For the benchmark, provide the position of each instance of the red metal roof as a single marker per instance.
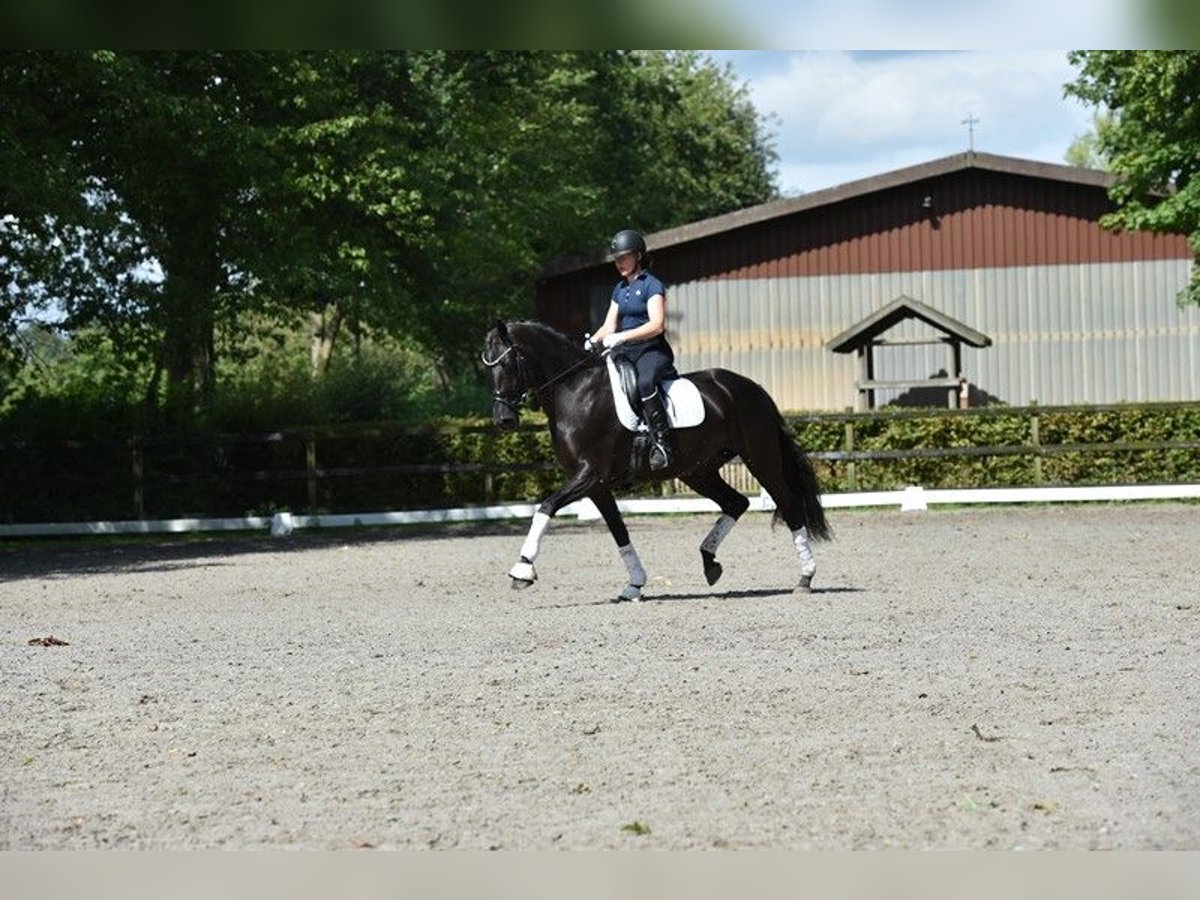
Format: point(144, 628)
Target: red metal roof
point(766, 212)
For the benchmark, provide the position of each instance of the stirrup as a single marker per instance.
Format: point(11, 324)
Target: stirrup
point(660, 456)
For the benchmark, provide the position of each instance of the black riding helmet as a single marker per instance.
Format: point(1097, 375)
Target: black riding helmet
point(626, 241)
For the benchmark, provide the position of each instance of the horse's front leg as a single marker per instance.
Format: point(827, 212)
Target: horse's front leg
point(523, 573)
point(607, 505)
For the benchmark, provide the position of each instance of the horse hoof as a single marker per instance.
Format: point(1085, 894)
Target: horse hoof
point(522, 574)
point(630, 594)
point(805, 586)
point(712, 568)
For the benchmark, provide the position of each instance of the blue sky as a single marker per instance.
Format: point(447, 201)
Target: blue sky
point(839, 115)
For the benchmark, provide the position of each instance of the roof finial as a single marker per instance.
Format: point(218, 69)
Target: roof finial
point(970, 121)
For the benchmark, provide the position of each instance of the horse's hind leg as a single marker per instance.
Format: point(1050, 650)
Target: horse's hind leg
point(766, 463)
point(732, 504)
point(808, 563)
point(607, 505)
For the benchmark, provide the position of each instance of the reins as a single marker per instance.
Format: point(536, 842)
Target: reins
point(514, 404)
point(589, 360)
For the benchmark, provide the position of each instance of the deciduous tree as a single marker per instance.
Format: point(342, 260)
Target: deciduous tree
point(165, 197)
point(1153, 145)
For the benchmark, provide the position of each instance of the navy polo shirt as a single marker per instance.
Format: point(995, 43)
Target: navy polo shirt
point(632, 298)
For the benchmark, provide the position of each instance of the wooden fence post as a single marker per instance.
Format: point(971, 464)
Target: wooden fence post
point(1035, 438)
point(139, 496)
point(310, 462)
point(851, 466)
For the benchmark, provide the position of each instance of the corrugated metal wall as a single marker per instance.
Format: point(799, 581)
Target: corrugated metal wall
point(1061, 334)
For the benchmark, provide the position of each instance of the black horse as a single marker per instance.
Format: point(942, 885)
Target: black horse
point(740, 419)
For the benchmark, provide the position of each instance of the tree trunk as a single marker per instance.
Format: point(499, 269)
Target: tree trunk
point(443, 368)
point(188, 342)
point(189, 294)
point(324, 327)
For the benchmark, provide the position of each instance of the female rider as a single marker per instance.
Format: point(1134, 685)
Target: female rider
point(635, 327)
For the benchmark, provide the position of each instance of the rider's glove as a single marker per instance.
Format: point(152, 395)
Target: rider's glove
point(612, 340)
point(588, 343)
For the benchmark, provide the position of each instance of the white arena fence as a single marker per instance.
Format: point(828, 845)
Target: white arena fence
point(911, 499)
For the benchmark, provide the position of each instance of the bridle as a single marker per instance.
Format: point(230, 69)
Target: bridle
point(515, 401)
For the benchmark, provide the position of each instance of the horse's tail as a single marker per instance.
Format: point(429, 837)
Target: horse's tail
point(798, 471)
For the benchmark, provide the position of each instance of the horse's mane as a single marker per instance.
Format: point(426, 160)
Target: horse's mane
point(547, 338)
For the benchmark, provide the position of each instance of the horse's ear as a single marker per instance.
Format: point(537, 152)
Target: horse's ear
point(502, 330)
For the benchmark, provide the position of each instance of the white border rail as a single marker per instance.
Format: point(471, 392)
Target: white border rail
point(913, 498)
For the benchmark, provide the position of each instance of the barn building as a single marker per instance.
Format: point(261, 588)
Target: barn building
point(974, 244)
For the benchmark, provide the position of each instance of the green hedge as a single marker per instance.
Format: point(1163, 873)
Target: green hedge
point(1008, 446)
point(362, 467)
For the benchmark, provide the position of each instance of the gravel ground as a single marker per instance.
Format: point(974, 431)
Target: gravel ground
point(1018, 677)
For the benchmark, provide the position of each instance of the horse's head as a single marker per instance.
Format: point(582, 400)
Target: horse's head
point(507, 371)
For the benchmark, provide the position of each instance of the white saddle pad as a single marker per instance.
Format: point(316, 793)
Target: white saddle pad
point(685, 407)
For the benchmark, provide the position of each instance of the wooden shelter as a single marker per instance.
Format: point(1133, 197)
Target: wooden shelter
point(864, 337)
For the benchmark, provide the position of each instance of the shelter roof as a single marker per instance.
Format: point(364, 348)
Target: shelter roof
point(904, 307)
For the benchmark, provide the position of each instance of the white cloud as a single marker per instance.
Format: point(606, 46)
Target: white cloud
point(844, 115)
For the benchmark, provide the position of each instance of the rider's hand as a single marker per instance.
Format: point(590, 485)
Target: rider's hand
point(613, 340)
point(588, 344)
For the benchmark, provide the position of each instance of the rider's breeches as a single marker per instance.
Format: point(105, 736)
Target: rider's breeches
point(653, 366)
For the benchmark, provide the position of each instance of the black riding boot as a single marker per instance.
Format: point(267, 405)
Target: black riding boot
point(662, 453)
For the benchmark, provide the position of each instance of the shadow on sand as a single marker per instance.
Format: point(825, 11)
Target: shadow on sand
point(114, 554)
point(710, 595)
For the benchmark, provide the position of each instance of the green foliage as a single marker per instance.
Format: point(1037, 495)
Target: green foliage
point(680, 141)
point(887, 432)
point(71, 390)
point(1153, 144)
point(266, 384)
point(79, 389)
point(1123, 425)
point(1085, 150)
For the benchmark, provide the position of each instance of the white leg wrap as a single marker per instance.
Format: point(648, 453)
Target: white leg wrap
point(719, 532)
point(523, 571)
point(533, 543)
point(808, 565)
point(633, 565)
